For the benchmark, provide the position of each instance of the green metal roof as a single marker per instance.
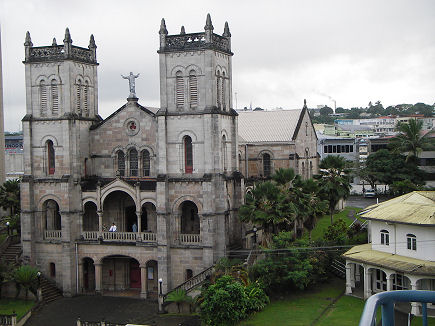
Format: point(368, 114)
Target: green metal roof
point(365, 254)
point(417, 207)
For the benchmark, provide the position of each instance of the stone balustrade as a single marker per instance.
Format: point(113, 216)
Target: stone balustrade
point(52, 234)
point(120, 236)
point(190, 238)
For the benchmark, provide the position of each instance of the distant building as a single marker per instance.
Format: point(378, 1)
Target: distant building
point(14, 158)
point(2, 140)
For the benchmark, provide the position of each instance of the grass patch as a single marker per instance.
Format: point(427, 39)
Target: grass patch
point(325, 221)
point(300, 308)
point(417, 321)
point(21, 307)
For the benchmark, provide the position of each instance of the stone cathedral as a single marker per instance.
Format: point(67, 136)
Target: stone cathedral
point(167, 178)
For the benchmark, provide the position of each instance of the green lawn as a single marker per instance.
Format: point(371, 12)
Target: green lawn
point(325, 221)
point(301, 308)
point(21, 307)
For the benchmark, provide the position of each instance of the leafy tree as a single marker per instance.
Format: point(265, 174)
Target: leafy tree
point(6, 271)
point(257, 298)
point(340, 110)
point(421, 108)
point(326, 110)
point(178, 296)
point(336, 233)
point(10, 196)
point(334, 181)
point(25, 277)
point(409, 138)
point(224, 303)
point(402, 187)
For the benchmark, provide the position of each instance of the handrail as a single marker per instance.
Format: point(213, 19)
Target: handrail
point(387, 299)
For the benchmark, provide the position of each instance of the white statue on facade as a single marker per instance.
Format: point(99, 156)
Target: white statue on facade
point(131, 81)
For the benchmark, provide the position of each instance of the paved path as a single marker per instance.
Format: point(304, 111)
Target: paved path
point(66, 311)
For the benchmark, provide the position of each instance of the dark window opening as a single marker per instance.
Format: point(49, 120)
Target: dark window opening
point(51, 157)
point(188, 155)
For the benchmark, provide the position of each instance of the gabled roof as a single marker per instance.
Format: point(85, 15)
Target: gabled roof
point(149, 110)
point(417, 207)
point(268, 126)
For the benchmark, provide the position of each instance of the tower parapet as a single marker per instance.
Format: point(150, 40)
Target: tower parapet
point(195, 41)
point(55, 52)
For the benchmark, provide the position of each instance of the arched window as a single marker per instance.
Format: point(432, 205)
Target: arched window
point(189, 274)
point(223, 91)
point(146, 163)
point(86, 99)
point(179, 90)
point(303, 169)
point(54, 97)
point(189, 218)
point(52, 218)
point(266, 165)
point(51, 157)
point(306, 128)
point(79, 97)
point(52, 270)
point(121, 163)
point(411, 240)
point(385, 237)
point(311, 169)
point(218, 89)
point(42, 97)
point(224, 152)
point(134, 166)
point(193, 89)
point(188, 155)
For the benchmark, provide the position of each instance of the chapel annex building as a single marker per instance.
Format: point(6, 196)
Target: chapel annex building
point(169, 173)
point(168, 178)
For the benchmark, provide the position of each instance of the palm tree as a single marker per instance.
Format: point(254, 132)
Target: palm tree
point(178, 296)
point(334, 182)
point(315, 206)
point(10, 196)
point(409, 138)
point(26, 277)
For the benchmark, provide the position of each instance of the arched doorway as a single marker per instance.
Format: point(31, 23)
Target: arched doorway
point(149, 218)
point(52, 218)
point(90, 217)
point(121, 275)
point(88, 275)
point(119, 208)
point(152, 279)
point(189, 218)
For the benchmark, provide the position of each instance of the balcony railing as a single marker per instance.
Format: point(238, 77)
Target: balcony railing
point(190, 238)
point(387, 299)
point(120, 236)
point(52, 234)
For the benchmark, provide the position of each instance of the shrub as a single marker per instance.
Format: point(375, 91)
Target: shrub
point(257, 298)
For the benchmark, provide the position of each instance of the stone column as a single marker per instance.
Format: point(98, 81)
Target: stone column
point(414, 305)
point(98, 277)
point(357, 274)
point(81, 271)
point(352, 275)
point(367, 283)
point(348, 279)
point(139, 222)
point(100, 221)
point(143, 282)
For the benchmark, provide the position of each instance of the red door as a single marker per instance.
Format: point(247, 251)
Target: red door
point(135, 275)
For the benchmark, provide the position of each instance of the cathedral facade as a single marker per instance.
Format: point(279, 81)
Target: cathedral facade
point(166, 179)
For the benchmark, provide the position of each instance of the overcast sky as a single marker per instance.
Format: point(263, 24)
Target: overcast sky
point(284, 51)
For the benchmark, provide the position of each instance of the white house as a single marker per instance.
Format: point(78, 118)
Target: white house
point(401, 252)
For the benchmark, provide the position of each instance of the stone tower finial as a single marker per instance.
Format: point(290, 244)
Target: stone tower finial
point(163, 29)
point(226, 30)
point(92, 44)
point(183, 31)
point(208, 24)
point(305, 103)
point(54, 42)
point(67, 38)
point(28, 41)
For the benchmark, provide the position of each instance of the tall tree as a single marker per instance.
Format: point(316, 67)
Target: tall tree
point(10, 196)
point(409, 138)
point(334, 181)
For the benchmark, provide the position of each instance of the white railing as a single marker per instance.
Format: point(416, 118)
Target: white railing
point(148, 236)
point(90, 235)
point(52, 234)
point(120, 236)
point(190, 238)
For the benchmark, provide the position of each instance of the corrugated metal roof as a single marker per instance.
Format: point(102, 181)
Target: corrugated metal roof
point(365, 254)
point(268, 126)
point(417, 207)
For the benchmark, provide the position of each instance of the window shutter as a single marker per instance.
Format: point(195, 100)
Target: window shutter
point(86, 100)
point(79, 98)
point(179, 96)
point(54, 97)
point(43, 97)
point(193, 89)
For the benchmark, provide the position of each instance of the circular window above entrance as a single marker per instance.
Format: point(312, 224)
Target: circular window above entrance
point(131, 126)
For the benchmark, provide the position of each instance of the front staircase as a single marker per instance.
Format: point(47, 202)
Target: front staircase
point(12, 254)
point(49, 290)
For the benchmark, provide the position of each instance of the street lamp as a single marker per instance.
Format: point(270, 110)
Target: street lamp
point(7, 225)
point(255, 235)
point(39, 279)
point(160, 286)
